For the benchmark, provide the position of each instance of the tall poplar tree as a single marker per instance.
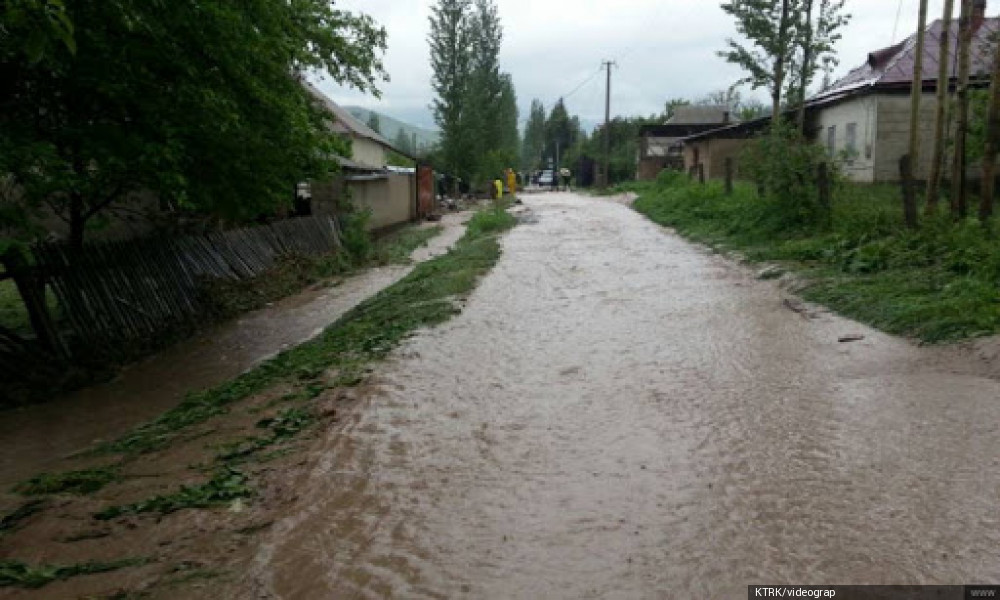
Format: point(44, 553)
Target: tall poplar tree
point(534, 137)
point(451, 57)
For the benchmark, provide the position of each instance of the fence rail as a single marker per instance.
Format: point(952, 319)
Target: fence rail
point(128, 291)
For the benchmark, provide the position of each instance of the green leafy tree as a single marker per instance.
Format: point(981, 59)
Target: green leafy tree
point(534, 137)
point(162, 97)
point(624, 142)
point(560, 133)
point(818, 34)
point(451, 58)
point(509, 140)
point(484, 117)
point(771, 28)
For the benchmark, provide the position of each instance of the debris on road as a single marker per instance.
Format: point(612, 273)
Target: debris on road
point(854, 337)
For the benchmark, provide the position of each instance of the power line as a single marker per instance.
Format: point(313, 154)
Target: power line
point(584, 82)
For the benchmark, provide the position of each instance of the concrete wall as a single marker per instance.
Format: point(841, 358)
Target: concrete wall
point(857, 160)
point(650, 167)
point(894, 135)
point(712, 154)
point(368, 153)
point(391, 199)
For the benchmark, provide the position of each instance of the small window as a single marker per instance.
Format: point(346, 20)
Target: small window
point(831, 140)
point(851, 143)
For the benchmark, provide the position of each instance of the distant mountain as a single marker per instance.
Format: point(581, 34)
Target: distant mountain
point(390, 127)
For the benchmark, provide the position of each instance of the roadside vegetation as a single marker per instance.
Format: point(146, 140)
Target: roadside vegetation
point(281, 397)
point(939, 283)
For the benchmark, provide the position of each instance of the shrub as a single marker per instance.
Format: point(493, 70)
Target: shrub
point(786, 166)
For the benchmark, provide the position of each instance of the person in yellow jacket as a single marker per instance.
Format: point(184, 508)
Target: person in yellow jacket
point(511, 182)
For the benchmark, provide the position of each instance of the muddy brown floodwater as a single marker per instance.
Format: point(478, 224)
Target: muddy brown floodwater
point(620, 414)
point(38, 438)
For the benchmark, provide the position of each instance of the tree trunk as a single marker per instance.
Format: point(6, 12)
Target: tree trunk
point(77, 221)
point(992, 142)
point(807, 57)
point(31, 287)
point(779, 65)
point(959, 204)
point(916, 92)
point(941, 117)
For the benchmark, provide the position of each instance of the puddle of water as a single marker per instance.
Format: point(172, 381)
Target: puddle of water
point(618, 414)
point(36, 438)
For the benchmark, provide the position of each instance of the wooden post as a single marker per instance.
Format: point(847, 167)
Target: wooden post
point(992, 143)
point(909, 199)
point(32, 290)
point(959, 200)
point(729, 176)
point(701, 173)
point(941, 111)
point(825, 193)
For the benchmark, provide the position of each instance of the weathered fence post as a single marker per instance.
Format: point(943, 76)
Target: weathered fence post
point(729, 176)
point(701, 173)
point(31, 287)
point(825, 193)
point(909, 197)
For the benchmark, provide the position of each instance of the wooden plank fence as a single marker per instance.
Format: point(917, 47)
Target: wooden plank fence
point(119, 292)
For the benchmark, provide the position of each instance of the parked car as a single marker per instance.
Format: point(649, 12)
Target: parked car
point(546, 178)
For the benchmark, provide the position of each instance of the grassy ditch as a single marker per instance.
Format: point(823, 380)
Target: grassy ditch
point(429, 295)
point(938, 284)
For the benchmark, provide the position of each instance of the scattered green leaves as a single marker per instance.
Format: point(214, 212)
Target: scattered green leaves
point(18, 574)
point(82, 482)
point(12, 520)
point(227, 485)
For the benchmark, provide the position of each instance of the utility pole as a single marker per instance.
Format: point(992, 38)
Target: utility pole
point(606, 175)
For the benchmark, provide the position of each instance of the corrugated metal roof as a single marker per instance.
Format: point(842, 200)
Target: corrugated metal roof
point(893, 66)
point(700, 115)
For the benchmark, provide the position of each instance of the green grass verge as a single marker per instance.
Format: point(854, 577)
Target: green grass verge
point(82, 482)
point(940, 283)
point(425, 297)
point(18, 574)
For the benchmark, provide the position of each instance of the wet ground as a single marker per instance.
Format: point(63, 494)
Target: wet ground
point(38, 438)
point(620, 414)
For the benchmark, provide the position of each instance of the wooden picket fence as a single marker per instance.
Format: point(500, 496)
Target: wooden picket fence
point(121, 292)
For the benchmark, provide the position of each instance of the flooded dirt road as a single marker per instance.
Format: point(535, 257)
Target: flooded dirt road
point(619, 414)
point(38, 438)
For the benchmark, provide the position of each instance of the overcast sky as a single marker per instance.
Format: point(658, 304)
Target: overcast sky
point(664, 49)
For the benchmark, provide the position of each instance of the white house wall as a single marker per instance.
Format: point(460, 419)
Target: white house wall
point(894, 135)
point(858, 163)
